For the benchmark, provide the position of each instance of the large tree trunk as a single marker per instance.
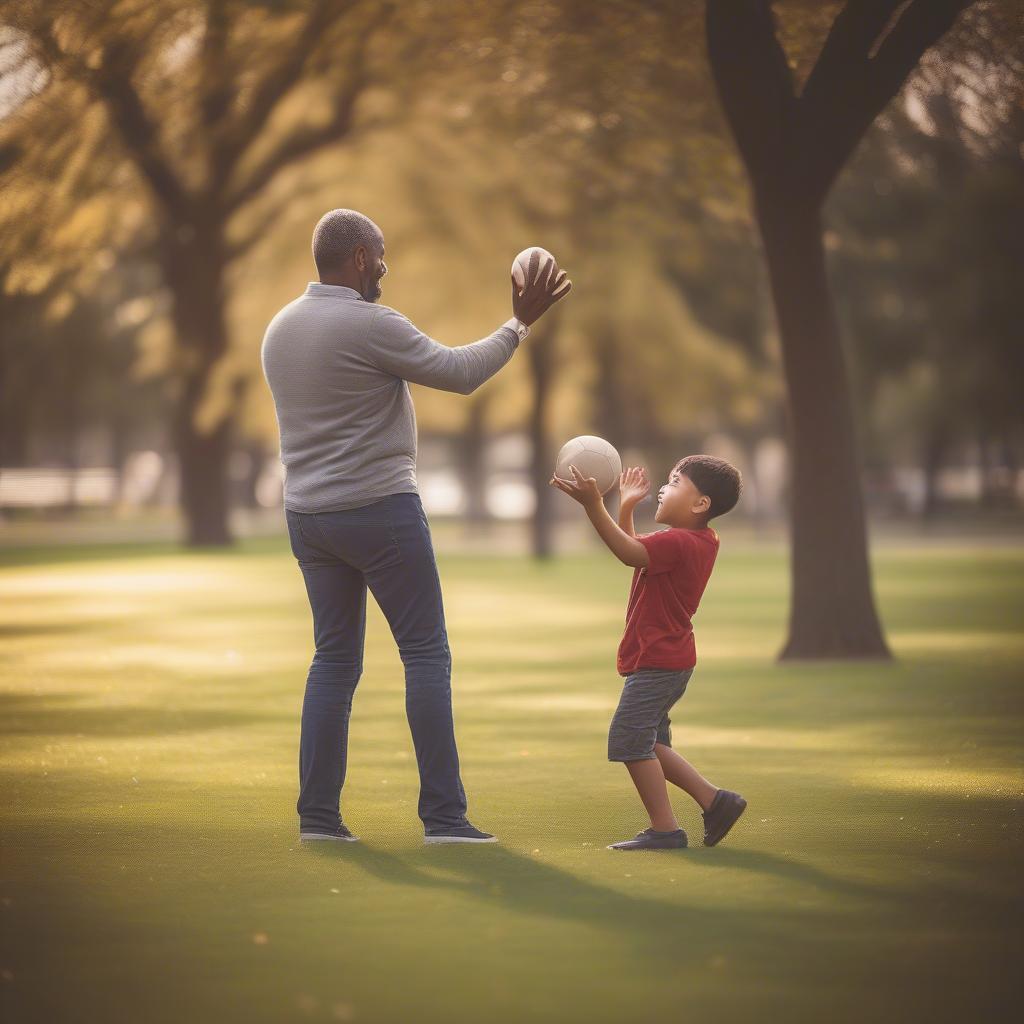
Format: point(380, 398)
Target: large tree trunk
point(832, 611)
point(794, 147)
point(202, 462)
point(194, 271)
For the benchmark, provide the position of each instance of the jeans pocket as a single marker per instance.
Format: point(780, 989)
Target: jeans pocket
point(362, 537)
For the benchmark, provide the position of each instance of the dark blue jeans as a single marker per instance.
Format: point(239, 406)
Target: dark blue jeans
point(387, 547)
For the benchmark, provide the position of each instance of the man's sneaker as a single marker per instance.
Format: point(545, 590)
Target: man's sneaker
point(460, 834)
point(338, 835)
point(651, 840)
point(723, 813)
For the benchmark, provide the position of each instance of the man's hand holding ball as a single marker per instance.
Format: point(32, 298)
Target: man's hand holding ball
point(537, 284)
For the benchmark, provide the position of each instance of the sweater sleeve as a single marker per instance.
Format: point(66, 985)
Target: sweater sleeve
point(398, 347)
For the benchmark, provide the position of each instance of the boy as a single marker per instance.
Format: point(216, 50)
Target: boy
point(657, 653)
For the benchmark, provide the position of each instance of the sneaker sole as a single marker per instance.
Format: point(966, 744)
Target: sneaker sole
point(738, 808)
point(319, 837)
point(430, 840)
point(645, 849)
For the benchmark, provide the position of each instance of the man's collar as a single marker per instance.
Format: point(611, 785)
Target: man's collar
point(338, 291)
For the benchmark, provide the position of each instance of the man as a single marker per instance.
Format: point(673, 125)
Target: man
point(338, 366)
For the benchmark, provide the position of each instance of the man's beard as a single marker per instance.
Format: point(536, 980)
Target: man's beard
point(375, 291)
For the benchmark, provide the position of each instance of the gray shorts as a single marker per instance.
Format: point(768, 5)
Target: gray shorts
point(641, 719)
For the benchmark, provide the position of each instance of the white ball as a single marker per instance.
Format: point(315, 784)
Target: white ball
point(534, 264)
point(592, 456)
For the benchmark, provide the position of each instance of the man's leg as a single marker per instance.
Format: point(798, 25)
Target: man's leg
point(337, 597)
point(408, 590)
point(681, 773)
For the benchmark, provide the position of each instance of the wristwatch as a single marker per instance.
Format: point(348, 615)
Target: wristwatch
point(518, 326)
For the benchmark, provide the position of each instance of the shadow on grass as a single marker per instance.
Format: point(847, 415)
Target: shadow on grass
point(512, 882)
point(497, 872)
point(662, 929)
point(64, 714)
point(497, 875)
point(863, 936)
point(10, 632)
point(56, 554)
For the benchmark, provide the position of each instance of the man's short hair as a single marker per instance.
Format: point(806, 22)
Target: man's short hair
point(716, 478)
point(337, 236)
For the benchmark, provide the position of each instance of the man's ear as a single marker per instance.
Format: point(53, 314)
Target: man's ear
point(360, 257)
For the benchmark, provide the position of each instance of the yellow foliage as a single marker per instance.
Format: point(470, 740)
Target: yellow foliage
point(59, 306)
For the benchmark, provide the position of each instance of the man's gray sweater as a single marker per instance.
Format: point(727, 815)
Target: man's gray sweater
point(338, 368)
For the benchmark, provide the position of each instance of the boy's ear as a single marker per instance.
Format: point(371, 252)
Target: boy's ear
point(703, 504)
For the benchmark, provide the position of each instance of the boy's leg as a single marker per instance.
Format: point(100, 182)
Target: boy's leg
point(649, 779)
point(721, 807)
point(647, 695)
point(681, 773)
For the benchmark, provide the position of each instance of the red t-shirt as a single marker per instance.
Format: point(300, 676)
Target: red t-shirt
point(663, 599)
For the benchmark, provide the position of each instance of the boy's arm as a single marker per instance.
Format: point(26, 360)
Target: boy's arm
point(626, 518)
point(633, 488)
point(626, 548)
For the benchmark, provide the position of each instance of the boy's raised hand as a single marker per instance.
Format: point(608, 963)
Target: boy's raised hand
point(581, 488)
point(634, 485)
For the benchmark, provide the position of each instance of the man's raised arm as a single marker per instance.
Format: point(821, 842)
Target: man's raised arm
point(398, 347)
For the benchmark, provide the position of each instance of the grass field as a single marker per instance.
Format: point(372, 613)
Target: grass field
point(149, 757)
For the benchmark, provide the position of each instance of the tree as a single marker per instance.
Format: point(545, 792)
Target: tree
point(938, 358)
point(200, 106)
point(793, 146)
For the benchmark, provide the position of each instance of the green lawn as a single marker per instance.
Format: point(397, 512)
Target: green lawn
point(151, 872)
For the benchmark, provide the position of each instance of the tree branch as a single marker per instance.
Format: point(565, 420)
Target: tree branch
point(302, 142)
point(214, 86)
point(137, 130)
point(308, 139)
point(111, 84)
point(921, 26)
point(873, 47)
point(266, 220)
point(754, 84)
point(239, 135)
point(850, 40)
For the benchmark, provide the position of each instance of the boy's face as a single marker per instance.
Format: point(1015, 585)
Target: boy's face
point(681, 504)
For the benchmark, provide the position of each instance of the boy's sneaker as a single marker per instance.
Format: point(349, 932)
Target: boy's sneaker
point(338, 835)
point(459, 834)
point(651, 840)
point(723, 813)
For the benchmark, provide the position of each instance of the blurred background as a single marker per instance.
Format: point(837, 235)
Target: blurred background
point(163, 166)
point(796, 233)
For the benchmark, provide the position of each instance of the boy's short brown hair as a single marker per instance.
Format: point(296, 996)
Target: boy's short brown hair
point(718, 479)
